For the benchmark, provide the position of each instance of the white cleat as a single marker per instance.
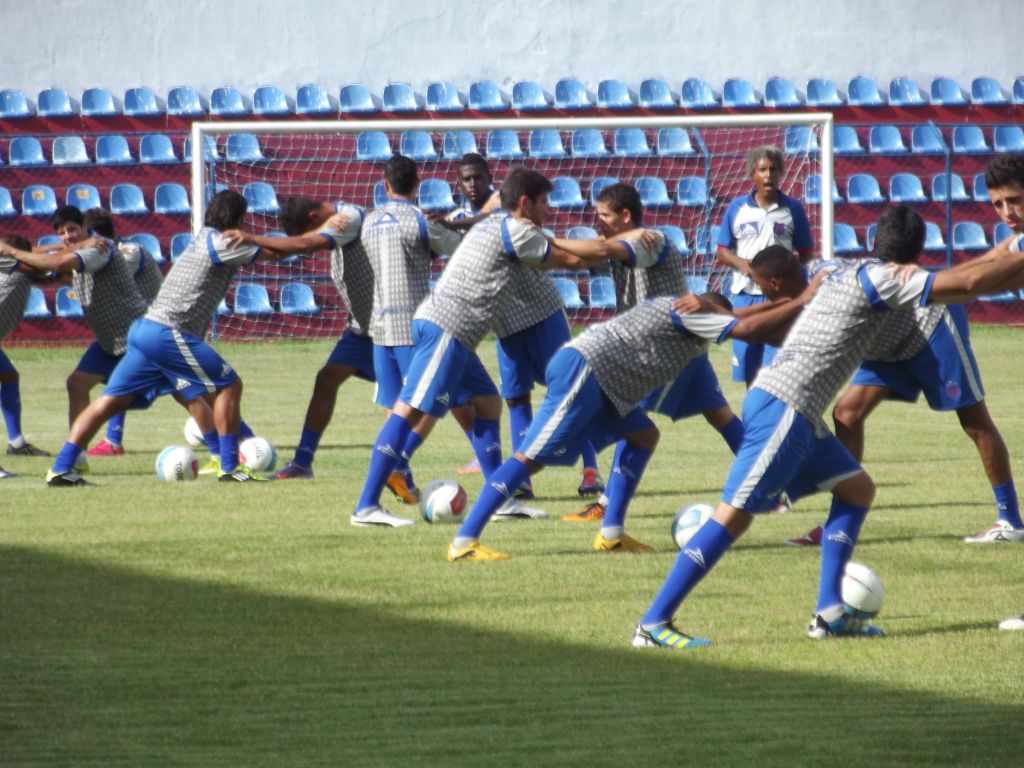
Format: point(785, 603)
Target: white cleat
point(513, 509)
point(1017, 622)
point(999, 531)
point(378, 517)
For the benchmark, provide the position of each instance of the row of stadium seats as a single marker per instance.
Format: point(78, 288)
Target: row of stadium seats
point(864, 189)
point(924, 139)
point(112, 149)
point(570, 94)
point(125, 200)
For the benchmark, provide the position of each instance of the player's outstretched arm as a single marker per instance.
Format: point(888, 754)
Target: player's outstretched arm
point(1002, 271)
point(599, 250)
point(61, 262)
point(772, 324)
point(559, 259)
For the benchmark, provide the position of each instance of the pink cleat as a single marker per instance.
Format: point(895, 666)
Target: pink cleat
point(105, 448)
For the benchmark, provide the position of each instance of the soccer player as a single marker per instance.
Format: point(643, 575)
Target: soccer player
point(787, 445)
point(751, 223)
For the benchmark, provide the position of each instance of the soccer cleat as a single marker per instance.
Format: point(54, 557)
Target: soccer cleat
point(26, 450)
point(240, 474)
point(473, 552)
point(592, 484)
point(105, 448)
point(811, 539)
point(784, 504)
point(525, 492)
point(65, 479)
point(622, 544)
point(1013, 623)
point(513, 510)
point(378, 517)
point(211, 467)
point(469, 469)
point(666, 636)
point(1000, 530)
point(401, 484)
point(593, 511)
point(4, 474)
point(847, 625)
point(292, 471)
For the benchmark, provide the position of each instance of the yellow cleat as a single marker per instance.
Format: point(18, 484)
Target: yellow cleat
point(474, 552)
point(211, 467)
point(593, 511)
point(241, 474)
point(622, 544)
point(405, 490)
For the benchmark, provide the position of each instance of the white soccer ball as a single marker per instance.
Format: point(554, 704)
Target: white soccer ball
point(443, 501)
point(688, 521)
point(862, 590)
point(193, 434)
point(257, 454)
point(177, 463)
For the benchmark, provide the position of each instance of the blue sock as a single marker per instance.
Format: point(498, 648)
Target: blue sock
point(1006, 501)
point(704, 550)
point(499, 486)
point(837, 542)
point(589, 456)
point(412, 442)
point(487, 444)
point(520, 417)
point(244, 430)
point(115, 428)
point(386, 450)
point(66, 459)
point(733, 434)
point(627, 469)
point(308, 443)
point(212, 440)
point(228, 453)
point(10, 404)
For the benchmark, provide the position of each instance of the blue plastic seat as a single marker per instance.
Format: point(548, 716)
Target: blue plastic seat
point(486, 96)
point(373, 146)
point(261, 198)
point(298, 299)
point(969, 236)
point(614, 94)
point(36, 308)
point(13, 104)
point(738, 93)
point(706, 239)
point(588, 142)
point(904, 92)
point(696, 284)
point(50, 240)
point(845, 140)
point(458, 143)
point(692, 191)
point(227, 101)
point(653, 192)
point(906, 188)
point(209, 149)
point(270, 101)
point(435, 195)
point(844, 239)
point(127, 200)
point(823, 93)
point(25, 151)
point(504, 145)
point(313, 99)
point(927, 140)
point(546, 143)
point(184, 101)
point(1017, 94)
point(677, 236)
point(656, 93)
point(69, 150)
point(602, 292)
point(400, 99)
point(38, 200)
point(141, 102)
point(863, 92)
point(581, 232)
point(949, 188)
point(83, 196)
point(98, 102)
point(780, 93)
point(1001, 231)
point(528, 96)
point(156, 149)
point(1008, 138)
point(54, 102)
point(179, 243)
point(801, 140)
point(67, 305)
point(812, 191)
point(380, 194)
point(571, 94)
point(112, 149)
point(674, 141)
point(988, 91)
point(6, 203)
point(569, 292)
point(149, 243)
point(171, 199)
point(597, 184)
point(947, 92)
point(630, 142)
point(444, 97)
point(245, 148)
point(252, 299)
point(933, 240)
point(886, 140)
point(417, 145)
point(863, 189)
point(566, 193)
point(970, 140)
point(698, 94)
point(979, 189)
point(356, 99)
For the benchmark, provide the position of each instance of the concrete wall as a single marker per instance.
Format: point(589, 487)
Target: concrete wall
point(205, 43)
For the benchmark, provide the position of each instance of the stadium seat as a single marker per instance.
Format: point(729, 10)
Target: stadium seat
point(54, 102)
point(185, 101)
point(141, 102)
point(179, 243)
point(400, 99)
point(588, 142)
point(863, 189)
point(630, 142)
point(380, 194)
point(566, 193)
point(149, 243)
point(504, 145)
point(156, 149)
point(969, 236)
point(698, 94)
point(270, 101)
point(245, 148)
point(692, 191)
point(846, 141)
point(25, 151)
point(738, 93)
point(298, 299)
point(171, 199)
point(50, 240)
point(904, 92)
point(458, 143)
point(780, 93)
point(546, 143)
point(812, 191)
point(844, 239)
point(356, 99)
point(112, 149)
point(674, 141)
point(444, 97)
point(373, 146)
point(227, 101)
point(435, 195)
point(653, 192)
point(528, 96)
point(947, 92)
point(906, 188)
point(582, 232)
point(209, 144)
point(602, 292)
point(261, 198)
point(36, 308)
point(614, 94)
point(979, 189)
point(822, 93)
point(569, 292)
point(98, 102)
point(67, 305)
point(252, 299)
point(486, 96)
point(13, 104)
point(932, 237)
point(1008, 138)
point(69, 150)
point(599, 183)
point(312, 99)
point(127, 200)
point(949, 188)
point(970, 140)
point(571, 94)
point(212, 188)
point(927, 140)
point(1017, 94)
point(38, 200)
point(696, 284)
point(677, 236)
point(6, 203)
point(988, 91)
point(863, 92)
point(705, 239)
point(417, 145)
point(801, 140)
point(1001, 231)
point(83, 197)
point(656, 93)
point(886, 140)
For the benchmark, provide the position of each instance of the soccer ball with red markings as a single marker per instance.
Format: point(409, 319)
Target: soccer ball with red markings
point(443, 501)
point(176, 464)
point(257, 454)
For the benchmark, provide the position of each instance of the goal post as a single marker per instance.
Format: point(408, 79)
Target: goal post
point(688, 169)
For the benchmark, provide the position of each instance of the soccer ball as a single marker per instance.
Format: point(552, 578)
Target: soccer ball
point(688, 521)
point(257, 454)
point(193, 434)
point(442, 501)
point(177, 463)
point(862, 590)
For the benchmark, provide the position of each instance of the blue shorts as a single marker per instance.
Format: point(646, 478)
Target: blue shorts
point(354, 351)
point(575, 412)
point(747, 358)
point(391, 364)
point(442, 372)
point(97, 362)
point(945, 370)
point(523, 357)
point(161, 360)
point(6, 366)
point(780, 452)
point(695, 390)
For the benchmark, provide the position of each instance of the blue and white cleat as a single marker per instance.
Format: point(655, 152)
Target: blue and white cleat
point(847, 625)
point(666, 636)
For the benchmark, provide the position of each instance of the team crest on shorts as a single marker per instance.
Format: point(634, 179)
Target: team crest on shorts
point(952, 389)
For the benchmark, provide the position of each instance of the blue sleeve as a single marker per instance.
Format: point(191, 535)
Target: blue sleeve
point(725, 236)
point(803, 238)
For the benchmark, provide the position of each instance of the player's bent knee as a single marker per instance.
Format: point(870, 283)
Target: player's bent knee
point(858, 490)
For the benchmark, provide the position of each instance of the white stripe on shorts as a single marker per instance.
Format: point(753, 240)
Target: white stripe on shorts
point(433, 366)
point(533, 449)
point(771, 447)
point(197, 369)
point(965, 358)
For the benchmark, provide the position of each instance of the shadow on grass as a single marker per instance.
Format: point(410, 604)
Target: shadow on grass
point(107, 666)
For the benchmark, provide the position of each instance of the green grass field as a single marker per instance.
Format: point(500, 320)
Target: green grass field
point(146, 624)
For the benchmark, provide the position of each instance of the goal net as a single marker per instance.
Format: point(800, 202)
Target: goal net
point(687, 170)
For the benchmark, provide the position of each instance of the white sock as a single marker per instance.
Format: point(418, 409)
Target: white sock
point(17, 442)
point(612, 532)
point(461, 542)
